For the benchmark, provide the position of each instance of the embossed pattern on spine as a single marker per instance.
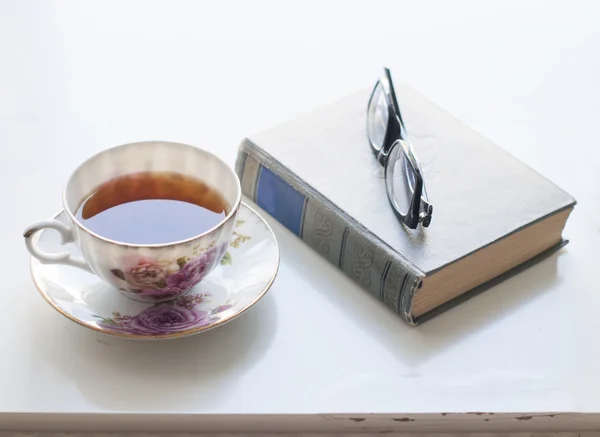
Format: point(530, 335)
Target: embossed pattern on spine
point(326, 229)
point(321, 234)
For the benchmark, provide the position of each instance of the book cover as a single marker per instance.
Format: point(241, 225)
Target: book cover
point(318, 177)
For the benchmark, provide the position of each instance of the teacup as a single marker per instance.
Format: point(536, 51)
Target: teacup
point(144, 272)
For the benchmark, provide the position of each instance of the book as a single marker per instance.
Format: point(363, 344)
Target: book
point(493, 215)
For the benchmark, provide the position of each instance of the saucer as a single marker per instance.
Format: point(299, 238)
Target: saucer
point(244, 276)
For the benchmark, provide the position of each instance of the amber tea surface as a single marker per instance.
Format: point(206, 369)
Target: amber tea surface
point(152, 208)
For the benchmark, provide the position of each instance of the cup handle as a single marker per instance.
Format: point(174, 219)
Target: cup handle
point(67, 236)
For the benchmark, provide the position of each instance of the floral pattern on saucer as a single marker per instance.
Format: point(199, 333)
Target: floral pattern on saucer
point(245, 273)
point(166, 318)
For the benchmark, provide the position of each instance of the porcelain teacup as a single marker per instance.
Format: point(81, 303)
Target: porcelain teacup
point(144, 272)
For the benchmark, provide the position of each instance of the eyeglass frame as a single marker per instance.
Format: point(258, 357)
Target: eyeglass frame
point(397, 136)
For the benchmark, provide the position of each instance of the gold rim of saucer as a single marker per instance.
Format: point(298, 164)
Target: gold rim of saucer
point(180, 334)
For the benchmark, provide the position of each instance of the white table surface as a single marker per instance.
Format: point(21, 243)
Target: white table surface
point(77, 77)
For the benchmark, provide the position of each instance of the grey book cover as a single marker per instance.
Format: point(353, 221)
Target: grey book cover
point(317, 176)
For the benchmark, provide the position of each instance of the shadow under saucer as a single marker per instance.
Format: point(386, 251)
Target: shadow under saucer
point(121, 374)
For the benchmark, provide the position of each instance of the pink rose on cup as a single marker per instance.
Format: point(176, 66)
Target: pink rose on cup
point(146, 276)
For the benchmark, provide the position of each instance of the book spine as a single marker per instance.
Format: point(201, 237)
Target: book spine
point(327, 229)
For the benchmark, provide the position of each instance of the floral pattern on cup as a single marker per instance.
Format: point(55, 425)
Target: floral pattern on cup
point(152, 280)
point(166, 318)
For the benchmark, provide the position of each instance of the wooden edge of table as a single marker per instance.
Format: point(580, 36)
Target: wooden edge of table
point(473, 422)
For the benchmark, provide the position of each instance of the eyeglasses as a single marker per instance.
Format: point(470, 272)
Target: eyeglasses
point(390, 143)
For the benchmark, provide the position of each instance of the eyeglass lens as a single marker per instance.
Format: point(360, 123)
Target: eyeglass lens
point(400, 178)
point(378, 117)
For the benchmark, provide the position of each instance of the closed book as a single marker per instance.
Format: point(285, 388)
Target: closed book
point(493, 216)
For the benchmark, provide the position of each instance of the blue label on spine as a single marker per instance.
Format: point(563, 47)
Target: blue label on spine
point(280, 200)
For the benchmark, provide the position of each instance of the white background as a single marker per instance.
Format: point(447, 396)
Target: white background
point(77, 77)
